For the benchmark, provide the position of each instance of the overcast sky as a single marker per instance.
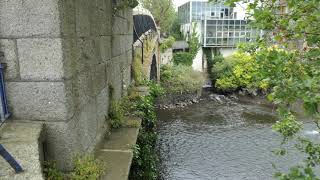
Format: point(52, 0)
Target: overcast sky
point(179, 2)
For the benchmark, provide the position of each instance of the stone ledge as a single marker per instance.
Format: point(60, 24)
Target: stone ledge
point(116, 152)
point(23, 142)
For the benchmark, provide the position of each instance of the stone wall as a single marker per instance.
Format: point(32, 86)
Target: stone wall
point(167, 56)
point(65, 58)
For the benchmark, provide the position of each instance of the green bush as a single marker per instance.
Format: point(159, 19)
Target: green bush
point(51, 172)
point(236, 71)
point(167, 43)
point(116, 114)
point(87, 167)
point(183, 58)
point(180, 79)
point(145, 158)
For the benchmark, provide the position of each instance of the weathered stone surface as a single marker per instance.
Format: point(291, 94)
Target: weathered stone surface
point(105, 48)
point(99, 78)
point(8, 47)
point(64, 68)
point(114, 75)
point(102, 108)
point(37, 100)
point(88, 126)
point(123, 23)
point(83, 12)
point(40, 59)
point(29, 18)
point(77, 136)
point(118, 44)
point(118, 163)
point(63, 142)
point(116, 151)
point(67, 9)
point(86, 54)
point(24, 142)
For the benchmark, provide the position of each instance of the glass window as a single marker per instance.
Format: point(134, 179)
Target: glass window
point(219, 40)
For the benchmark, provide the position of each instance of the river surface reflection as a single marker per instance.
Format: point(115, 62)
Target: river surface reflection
point(228, 139)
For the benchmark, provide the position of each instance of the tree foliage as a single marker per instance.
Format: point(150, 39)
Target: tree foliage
point(186, 58)
point(289, 61)
point(162, 11)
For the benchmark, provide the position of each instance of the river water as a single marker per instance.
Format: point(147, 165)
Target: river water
point(221, 138)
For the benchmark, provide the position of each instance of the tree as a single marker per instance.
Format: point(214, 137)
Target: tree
point(290, 64)
point(163, 12)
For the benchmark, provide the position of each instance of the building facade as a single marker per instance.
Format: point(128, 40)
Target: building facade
point(217, 24)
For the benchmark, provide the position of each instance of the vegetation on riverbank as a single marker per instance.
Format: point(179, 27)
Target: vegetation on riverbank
point(180, 79)
point(286, 61)
point(85, 167)
point(186, 58)
point(145, 159)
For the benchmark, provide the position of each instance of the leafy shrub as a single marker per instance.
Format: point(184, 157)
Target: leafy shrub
point(156, 89)
point(186, 58)
point(236, 71)
point(51, 172)
point(137, 70)
point(145, 159)
point(116, 114)
point(167, 43)
point(87, 167)
point(180, 79)
point(183, 58)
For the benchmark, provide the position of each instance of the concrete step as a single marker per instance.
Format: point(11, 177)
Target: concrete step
point(23, 141)
point(116, 151)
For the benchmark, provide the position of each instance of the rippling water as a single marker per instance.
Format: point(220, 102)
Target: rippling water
point(228, 139)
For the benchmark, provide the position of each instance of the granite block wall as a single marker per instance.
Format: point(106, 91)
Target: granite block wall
point(63, 58)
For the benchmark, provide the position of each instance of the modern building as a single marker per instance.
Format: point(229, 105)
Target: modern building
point(219, 27)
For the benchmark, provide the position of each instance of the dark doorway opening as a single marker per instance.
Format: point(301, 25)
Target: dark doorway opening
point(154, 69)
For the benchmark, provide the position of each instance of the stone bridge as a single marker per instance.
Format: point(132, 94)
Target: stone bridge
point(66, 60)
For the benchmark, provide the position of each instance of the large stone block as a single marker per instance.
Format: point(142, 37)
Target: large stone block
point(70, 57)
point(63, 143)
point(114, 75)
point(88, 126)
point(99, 78)
point(123, 23)
point(37, 100)
point(40, 59)
point(67, 9)
point(119, 45)
point(103, 102)
point(10, 58)
point(86, 54)
point(29, 18)
point(105, 48)
point(80, 135)
point(83, 13)
point(98, 18)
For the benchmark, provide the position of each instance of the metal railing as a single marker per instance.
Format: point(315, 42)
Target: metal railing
point(4, 114)
point(4, 110)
